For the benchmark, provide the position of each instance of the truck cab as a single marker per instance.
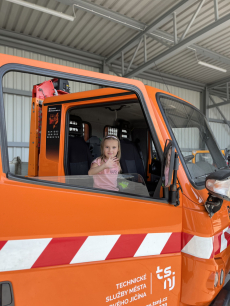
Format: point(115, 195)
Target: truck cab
point(151, 241)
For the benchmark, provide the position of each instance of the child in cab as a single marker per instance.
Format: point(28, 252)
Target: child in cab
point(107, 165)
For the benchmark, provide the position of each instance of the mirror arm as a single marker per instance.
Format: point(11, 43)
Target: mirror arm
point(213, 204)
point(174, 192)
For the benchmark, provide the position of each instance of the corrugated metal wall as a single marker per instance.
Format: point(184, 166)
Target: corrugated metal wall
point(220, 130)
point(17, 107)
point(191, 96)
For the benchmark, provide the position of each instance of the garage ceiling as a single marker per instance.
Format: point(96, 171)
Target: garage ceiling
point(108, 33)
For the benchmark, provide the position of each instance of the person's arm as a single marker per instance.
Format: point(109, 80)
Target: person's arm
point(120, 170)
point(96, 169)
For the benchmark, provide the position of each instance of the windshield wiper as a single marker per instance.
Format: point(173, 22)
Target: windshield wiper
point(203, 175)
point(222, 167)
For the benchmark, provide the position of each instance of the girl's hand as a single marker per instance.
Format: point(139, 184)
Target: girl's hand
point(111, 163)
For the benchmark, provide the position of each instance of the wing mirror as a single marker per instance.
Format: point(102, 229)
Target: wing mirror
point(218, 186)
point(170, 167)
point(169, 158)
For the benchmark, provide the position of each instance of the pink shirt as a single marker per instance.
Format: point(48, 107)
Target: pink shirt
point(108, 179)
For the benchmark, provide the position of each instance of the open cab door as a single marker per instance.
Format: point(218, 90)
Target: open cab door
point(75, 241)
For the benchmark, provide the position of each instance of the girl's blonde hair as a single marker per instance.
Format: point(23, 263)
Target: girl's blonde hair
point(110, 137)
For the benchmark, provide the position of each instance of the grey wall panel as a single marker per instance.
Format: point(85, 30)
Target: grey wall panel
point(191, 96)
point(17, 114)
point(225, 109)
point(221, 131)
point(222, 134)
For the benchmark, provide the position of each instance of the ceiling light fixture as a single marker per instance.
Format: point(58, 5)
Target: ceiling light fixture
point(212, 66)
point(42, 9)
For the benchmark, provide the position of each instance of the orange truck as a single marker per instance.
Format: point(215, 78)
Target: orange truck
point(160, 238)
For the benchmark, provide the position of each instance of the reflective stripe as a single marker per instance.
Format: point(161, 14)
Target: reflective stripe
point(35, 253)
point(201, 247)
point(153, 244)
point(95, 248)
point(21, 254)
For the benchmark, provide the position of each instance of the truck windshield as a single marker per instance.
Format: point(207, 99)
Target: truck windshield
point(194, 137)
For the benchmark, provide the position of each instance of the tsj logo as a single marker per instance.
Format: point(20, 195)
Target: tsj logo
point(168, 276)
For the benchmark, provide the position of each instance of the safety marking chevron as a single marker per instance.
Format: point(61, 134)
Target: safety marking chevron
point(47, 252)
point(36, 253)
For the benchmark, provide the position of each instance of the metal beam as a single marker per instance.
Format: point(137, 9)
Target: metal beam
point(216, 9)
point(174, 28)
point(199, 50)
point(204, 102)
point(217, 93)
point(145, 50)
point(139, 26)
point(44, 47)
point(192, 20)
point(134, 54)
point(201, 34)
point(225, 120)
point(162, 78)
point(222, 81)
point(167, 75)
point(18, 144)
point(18, 92)
point(219, 104)
point(105, 68)
point(114, 16)
point(217, 120)
point(105, 13)
point(122, 63)
point(213, 55)
point(153, 26)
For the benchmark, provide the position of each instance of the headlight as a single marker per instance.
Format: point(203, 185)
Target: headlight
point(218, 184)
point(216, 280)
point(221, 277)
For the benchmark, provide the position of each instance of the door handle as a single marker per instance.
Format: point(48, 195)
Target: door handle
point(6, 294)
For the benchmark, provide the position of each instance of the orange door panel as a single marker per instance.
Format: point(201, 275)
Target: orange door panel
point(72, 247)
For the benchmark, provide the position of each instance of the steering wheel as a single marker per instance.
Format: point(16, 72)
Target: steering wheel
point(188, 158)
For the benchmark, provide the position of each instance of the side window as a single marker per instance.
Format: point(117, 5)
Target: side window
point(124, 138)
point(95, 138)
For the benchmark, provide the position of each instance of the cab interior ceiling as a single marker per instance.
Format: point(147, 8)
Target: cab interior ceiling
point(100, 116)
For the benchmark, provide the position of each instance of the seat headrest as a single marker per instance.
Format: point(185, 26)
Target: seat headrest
point(75, 126)
point(124, 129)
point(110, 130)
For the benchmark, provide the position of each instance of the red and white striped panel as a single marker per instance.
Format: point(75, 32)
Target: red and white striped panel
point(221, 241)
point(201, 247)
point(34, 253)
point(205, 247)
